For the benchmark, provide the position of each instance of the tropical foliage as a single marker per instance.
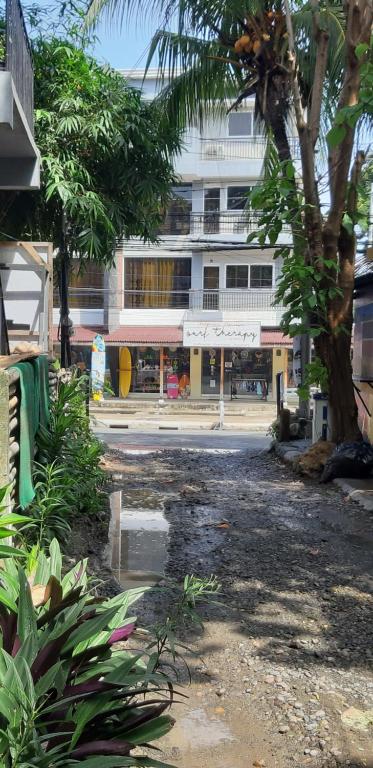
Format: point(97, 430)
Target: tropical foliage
point(68, 478)
point(106, 163)
point(70, 694)
point(307, 65)
point(8, 521)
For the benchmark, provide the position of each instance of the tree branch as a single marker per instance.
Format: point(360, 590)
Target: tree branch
point(358, 30)
point(322, 40)
point(298, 107)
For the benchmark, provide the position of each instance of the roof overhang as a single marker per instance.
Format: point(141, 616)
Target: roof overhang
point(19, 156)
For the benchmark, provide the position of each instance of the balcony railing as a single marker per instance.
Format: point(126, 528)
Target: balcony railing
point(229, 299)
point(246, 148)
point(15, 55)
point(212, 223)
point(242, 299)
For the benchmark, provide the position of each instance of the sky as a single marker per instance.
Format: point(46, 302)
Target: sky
point(124, 48)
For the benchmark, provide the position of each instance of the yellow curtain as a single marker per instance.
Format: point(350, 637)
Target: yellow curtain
point(147, 282)
point(166, 280)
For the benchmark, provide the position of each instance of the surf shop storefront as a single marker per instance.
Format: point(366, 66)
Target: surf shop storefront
point(197, 361)
point(148, 362)
point(140, 362)
point(230, 359)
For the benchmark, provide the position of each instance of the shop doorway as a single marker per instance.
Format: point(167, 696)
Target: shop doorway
point(250, 373)
point(247, 373)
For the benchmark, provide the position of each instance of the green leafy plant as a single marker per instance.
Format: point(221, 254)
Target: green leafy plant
point(183, 613)
point(2, 40)
point(69, 693)
point(52, 507)
point(316, 375)
point(69, 442)
point(7, 522)
point(274, 430)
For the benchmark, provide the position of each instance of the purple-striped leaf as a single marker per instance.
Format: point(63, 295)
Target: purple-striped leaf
point(122, 633)
point(102, 747)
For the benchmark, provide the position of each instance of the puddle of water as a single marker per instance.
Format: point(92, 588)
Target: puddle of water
point(138, 537)
point(198, 729)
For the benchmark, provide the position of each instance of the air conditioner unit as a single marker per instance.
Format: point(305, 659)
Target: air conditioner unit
point(214, 152)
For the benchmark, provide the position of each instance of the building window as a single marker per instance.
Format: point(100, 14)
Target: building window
point(212, 199)
point(177, 219)
point(243, 124)
point(238, 198)
point(157, 283)
point(211, 219)
point(261, 276)
point(86, 287)
point(237, 276)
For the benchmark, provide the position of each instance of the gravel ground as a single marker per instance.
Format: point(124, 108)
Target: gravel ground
point(284, 675)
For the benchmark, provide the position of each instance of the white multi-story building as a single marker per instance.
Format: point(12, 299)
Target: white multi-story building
point(195, 310)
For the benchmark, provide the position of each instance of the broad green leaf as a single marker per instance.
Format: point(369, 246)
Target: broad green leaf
point(336, 135)
point(26, 620)
point(88, 630)
point(55, 559)
point(6, 600)
point(361, 49)
point(155, 729)
point(6, 551)
point(13, 519)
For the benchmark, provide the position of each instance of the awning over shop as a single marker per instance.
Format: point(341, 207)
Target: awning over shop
point(275, 339)
point(160, 335)
point(131, 335)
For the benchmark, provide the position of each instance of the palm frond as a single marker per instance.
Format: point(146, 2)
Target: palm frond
point(194, 76)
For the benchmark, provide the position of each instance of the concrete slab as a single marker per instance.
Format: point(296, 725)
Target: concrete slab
point(358, 490)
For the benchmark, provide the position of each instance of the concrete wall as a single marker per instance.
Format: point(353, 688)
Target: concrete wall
point(27, 289)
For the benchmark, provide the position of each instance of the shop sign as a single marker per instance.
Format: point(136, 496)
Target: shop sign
point(220, 334)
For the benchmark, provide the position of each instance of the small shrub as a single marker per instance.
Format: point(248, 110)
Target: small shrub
point(50, 511)
point(68, 477)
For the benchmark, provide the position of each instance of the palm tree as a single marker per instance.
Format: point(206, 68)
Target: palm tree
point(224, 52)
point(301, 65)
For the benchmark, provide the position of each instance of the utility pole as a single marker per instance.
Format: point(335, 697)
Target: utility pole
point(65, 322)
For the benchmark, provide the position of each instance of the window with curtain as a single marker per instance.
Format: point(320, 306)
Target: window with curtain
point(152, 283)
point(86, 288)
point(237, 276)
point(261, 276)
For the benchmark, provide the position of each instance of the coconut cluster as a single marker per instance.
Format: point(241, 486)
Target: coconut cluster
point(256, 35)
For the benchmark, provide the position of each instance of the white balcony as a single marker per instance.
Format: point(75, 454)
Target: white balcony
point(252, 148)
point(229, 300)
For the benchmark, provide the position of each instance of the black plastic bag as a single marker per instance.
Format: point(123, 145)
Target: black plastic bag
point(349, 460)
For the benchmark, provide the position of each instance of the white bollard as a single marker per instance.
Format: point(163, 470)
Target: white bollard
point(221, 414)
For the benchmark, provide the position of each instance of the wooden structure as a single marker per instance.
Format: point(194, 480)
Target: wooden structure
point(10, 399)
point(26, 294)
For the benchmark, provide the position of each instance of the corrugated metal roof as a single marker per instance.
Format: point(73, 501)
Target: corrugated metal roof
point(127, 335)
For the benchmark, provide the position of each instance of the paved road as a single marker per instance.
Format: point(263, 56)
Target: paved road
point(170, 439)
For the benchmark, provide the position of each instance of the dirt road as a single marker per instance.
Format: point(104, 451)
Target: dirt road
point(285, 675)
